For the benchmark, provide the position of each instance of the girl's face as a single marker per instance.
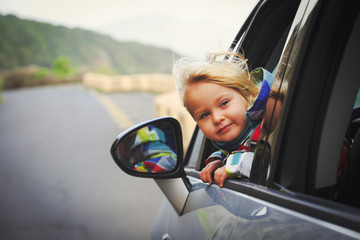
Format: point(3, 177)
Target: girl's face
point(219, 111)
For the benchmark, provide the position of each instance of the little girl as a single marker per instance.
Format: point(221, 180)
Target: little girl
point(227, 103)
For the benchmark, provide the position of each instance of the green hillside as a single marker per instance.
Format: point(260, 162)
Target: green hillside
point(25, 42)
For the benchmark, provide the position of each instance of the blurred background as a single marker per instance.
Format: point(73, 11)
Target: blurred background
point(73, 75)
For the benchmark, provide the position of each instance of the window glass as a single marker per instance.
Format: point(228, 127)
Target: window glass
point(346, 189)
point(357, 102)
point(279, 101)
point(337, 174)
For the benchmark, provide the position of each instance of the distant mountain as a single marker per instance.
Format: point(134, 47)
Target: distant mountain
point(191, 38)
point(25, 42)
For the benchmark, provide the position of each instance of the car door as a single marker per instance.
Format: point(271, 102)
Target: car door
point(309, 45)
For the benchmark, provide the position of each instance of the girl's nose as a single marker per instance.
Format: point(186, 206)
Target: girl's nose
point(217, 117)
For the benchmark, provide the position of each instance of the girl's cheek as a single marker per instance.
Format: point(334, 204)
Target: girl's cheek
point(202, 127)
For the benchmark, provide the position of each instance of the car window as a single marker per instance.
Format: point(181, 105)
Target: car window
point(337, 176)
point(345, 185)
point(266, 25)
point(316, 140)
point(338, 163)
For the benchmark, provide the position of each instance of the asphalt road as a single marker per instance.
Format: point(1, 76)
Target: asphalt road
point(57, 178)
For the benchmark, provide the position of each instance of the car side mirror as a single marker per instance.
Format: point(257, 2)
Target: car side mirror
point(151, 149)
point(154, 149)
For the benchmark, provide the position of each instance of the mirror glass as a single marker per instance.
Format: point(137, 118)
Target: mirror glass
point(150, 149)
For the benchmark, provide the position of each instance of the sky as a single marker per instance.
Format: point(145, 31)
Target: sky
point(214, 20)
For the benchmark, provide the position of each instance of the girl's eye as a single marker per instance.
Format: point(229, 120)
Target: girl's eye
point(204, 115)
point(223, 103)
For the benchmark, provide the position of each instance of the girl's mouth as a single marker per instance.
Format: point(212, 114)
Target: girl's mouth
point(224, 129)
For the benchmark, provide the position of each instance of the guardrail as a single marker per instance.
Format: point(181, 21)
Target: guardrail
point(167, 103)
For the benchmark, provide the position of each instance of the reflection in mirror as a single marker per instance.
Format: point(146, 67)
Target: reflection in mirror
point(151, 148)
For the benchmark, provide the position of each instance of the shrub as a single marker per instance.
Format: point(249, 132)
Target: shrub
point(62, 67)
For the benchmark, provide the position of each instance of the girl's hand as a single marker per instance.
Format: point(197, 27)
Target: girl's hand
point(220, 176)
point(211, 169)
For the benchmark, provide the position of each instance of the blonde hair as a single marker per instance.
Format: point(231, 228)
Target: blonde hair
point(232, 73)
